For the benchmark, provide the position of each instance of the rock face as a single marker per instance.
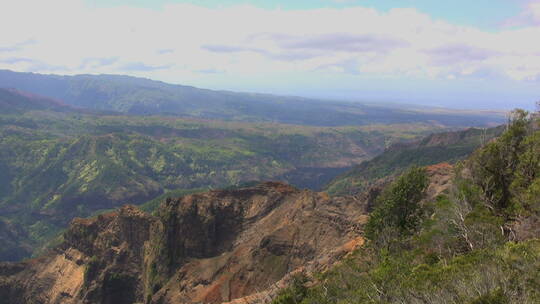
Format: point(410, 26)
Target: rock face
point(223, 245)
point(212, 247)
point(99, 262)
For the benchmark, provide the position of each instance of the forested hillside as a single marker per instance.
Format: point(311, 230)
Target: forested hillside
point(476, 242)
point(439, 234)
point(58, 162)
point(433, 149)
point(269, 152)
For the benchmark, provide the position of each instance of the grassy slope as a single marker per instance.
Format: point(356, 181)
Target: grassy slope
point(436, 148)
point(60, 162)
point(56, 166)
point(476, 243)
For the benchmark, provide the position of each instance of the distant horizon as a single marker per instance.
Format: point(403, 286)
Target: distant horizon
point(373, 101)
point(479, 55)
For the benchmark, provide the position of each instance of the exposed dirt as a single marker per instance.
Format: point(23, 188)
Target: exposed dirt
point(212, 247)
point(237, 246)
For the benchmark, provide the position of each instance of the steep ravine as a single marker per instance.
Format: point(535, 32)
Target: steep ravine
point(211, 247)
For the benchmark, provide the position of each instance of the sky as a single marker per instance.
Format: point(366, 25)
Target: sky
point(482, 54)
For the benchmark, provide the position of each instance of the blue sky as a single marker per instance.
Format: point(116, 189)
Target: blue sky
point(487, 14)
point(462, 54)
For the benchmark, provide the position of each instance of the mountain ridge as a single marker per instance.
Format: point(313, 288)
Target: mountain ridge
point(56, 164)
point(437, 233)
point(141, 96)
point(435, 148)
point(254, 237)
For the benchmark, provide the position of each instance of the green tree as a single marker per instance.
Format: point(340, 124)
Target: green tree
point(398, 211)
point(295, 293)
point(493, 167)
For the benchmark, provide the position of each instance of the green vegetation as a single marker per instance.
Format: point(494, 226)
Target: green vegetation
point(442, 147)
point(294, 293)
point(91, 269)
point(59, 163)
point(476, 243)
point(398, 211)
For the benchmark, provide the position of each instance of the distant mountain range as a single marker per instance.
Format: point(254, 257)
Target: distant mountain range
point(13, 101)
point(76, 145)
point(138, 96)
point(464, 229)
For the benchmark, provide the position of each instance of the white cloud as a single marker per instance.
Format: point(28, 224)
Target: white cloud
point(530, 16)
point(186, 41)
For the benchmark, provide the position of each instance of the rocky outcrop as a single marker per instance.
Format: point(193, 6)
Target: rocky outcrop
point(237, 245)
point(212, 247)
point(223, 245)
point(100, 261)
point(440, 179)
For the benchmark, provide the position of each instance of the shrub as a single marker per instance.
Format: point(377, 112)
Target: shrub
point(398, 209)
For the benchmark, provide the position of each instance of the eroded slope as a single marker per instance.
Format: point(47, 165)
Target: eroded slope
point(211, 247)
